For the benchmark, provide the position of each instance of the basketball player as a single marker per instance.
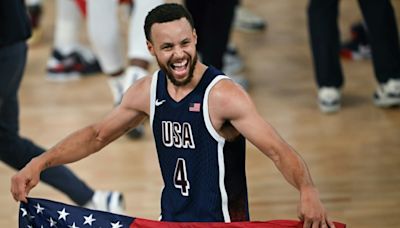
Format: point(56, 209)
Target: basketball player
point(200, 120)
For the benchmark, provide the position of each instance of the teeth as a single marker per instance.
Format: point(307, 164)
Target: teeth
point(180, 64)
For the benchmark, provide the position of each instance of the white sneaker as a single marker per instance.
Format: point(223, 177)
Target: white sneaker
point(116, 84)
point(232, 62)
point(246, 20)
point(132, 74)
point(329, 99)
point(107, 201)
point(388, 94)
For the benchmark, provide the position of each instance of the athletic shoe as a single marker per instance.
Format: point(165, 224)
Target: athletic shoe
point(71, 67)
point(357, 48)
point(35, 14)
point(388, 94)
point(132, 74)
point(107, 201)
point(232, 62)
point(137, 132)
point(232, 65)
point(329, 99)
point(246, 20)
point(116, 84)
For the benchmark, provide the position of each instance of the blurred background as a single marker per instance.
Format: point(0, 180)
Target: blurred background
point(353, 154)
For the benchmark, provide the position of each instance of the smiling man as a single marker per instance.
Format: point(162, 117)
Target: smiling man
point(200, 119)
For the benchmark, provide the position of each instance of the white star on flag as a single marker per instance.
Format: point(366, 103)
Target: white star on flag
point(39, 209)
point(116, 225)
point(110, 220)
point(89, 219)
point(58, 215)
point(52, 222)
point(63, 214)
point(24, 213)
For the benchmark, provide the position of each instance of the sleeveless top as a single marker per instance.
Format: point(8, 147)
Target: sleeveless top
point(204, 175)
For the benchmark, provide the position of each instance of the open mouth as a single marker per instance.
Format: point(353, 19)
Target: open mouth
point(180, 68)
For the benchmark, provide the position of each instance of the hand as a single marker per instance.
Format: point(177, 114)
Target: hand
point(23, 182)
point(311, 211)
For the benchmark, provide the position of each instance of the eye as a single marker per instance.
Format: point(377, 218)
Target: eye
point(166, 47)
point(185, 43)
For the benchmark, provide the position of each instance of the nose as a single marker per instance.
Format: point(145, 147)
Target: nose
point(178, 52)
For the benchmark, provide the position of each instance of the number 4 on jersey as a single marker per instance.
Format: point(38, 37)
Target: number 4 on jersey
point(180, 177)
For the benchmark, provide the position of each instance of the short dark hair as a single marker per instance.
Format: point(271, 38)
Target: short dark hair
point(166, 13)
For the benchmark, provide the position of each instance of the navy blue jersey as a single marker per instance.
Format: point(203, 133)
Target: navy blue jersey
point(204, 175)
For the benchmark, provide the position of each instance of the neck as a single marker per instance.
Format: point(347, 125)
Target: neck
point(179, 92)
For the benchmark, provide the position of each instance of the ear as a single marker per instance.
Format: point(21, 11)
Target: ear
point(150, 47)
point(195, 36)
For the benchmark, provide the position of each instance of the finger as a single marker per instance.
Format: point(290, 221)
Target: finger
point(20, 193)
point(330, 223)
point(14, 195)
point(315, 224)
point(323, 224)
point(14, 188)
point(18, 188)
point(29, 185)
point(23, 199)
point(307, 223)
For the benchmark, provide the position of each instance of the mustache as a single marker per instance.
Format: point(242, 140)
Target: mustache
point(168, 73)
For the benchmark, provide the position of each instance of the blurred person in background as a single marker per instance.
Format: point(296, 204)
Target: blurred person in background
point(17, 151)
point(383, 37)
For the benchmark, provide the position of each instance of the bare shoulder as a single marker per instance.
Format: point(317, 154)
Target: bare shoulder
point(137, 97)
point(227, 99)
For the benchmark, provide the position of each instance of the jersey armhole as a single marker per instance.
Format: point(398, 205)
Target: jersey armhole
point(153, 94)
point(206, 114)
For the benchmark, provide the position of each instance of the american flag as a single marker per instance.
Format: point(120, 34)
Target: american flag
point(41, 213)
point(194, 107)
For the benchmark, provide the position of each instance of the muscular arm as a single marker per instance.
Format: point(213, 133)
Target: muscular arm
point(229, 103)
point(88, 140)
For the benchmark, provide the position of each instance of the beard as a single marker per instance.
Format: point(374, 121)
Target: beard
point(167, 71)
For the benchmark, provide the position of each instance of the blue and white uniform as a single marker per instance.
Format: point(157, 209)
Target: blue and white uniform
point(204, 175)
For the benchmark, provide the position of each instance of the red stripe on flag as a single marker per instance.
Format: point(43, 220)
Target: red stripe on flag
point(39, 212)
point(144, 223)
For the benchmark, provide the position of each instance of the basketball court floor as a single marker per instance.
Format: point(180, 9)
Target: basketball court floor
point(353, 155)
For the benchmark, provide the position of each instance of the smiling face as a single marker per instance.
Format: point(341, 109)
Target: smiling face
point(174, 46)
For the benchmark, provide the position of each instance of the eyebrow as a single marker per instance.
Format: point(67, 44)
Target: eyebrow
point(164, 45)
